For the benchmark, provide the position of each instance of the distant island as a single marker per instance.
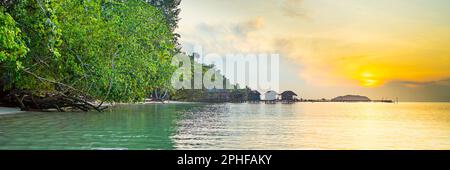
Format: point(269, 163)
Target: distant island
point(351, 98)
point(358, 98)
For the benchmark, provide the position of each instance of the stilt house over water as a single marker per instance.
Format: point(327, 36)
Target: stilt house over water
point(254, 96)
point(288, 97)
point(270, 97)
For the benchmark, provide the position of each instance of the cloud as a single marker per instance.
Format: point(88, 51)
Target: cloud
point(438, 90)
point(339, 49)
point(242, 29)
point(240, 37)
point(325, 59)
point(293, 8)
point(315, 57)
point(414, 84)
point(331, 59)
point(341, 55)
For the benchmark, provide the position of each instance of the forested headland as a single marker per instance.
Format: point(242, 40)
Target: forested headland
point(80, 54)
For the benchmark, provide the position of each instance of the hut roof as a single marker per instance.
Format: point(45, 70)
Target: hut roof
point(255, 92)
point(288, 93)
point(271, 91)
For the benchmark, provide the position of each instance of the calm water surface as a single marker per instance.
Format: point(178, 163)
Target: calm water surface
point(235, 126)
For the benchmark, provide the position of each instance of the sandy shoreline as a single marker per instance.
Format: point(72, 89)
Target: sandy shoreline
point(9, 110)
point(156, 102)
point(12, 110)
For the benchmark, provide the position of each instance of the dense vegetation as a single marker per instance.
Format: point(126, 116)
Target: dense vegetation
point(223, 94)
point(171, 10)
point(79, 54)
point(70, 53)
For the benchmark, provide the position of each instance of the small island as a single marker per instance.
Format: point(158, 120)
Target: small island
point(359, 98)
point(351, 98)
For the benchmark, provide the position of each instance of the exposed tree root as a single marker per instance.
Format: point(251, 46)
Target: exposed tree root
point(28, 101)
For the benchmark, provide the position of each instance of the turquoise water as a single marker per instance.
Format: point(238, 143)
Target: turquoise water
point(235, 126)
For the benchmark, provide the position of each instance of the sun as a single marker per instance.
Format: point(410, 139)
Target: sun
point(369, 82)
point(368, 79)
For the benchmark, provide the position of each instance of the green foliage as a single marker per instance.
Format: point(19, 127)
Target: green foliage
point(109, 50)
point(235, 94)
point(12, 47)
point(39, 23)
point(171, 10)
point(122, 47)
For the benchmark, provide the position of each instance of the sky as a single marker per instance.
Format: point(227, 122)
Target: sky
point(377, 48)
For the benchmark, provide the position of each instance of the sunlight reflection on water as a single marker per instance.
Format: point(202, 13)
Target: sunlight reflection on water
point(235, 126)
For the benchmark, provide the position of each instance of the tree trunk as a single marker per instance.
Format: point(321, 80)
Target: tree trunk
point(28, 101)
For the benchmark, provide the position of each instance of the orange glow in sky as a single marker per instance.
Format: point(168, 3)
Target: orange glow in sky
point(347, 44)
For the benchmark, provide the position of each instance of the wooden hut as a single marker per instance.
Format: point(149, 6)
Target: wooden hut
point(288, 97)
point(216, 95)
point(270, 97)
point(254, 96)
point(237, 96)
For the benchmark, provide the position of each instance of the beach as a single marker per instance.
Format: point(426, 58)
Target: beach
point(8, 110)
